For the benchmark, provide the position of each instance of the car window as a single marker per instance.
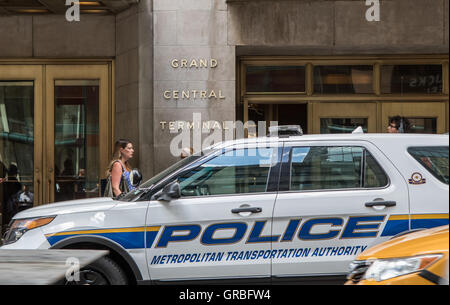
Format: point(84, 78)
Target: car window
point(434, 159)
point(374, 176)
point(337, 167)
point(233, 172)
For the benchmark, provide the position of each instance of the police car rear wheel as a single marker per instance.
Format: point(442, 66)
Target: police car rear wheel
point(104, 271)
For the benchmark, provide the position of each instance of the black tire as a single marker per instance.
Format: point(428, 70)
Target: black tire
point(103, 271)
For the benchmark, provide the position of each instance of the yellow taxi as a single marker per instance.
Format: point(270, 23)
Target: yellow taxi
point(415, 258)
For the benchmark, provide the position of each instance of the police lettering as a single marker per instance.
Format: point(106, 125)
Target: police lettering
point(234, 232)
point(239, 230)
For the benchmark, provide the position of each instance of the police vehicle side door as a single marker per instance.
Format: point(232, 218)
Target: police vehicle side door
point(219, 228)
point(335, 200)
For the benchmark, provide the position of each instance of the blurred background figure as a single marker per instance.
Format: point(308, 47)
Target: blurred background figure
point(186, 152)
point(11, 189)
point(80, 184)
point(398, 124)
point(66, 180)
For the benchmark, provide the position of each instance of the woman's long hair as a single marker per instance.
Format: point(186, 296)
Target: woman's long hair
point(121, 143)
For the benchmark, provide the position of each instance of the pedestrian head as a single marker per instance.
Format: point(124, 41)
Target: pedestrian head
point(398, 124)
point(123, 151)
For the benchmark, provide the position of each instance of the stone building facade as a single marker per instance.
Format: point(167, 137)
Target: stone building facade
point(168, 59)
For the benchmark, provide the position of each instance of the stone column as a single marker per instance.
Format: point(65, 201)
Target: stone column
point(134, 82)
point(188, 31)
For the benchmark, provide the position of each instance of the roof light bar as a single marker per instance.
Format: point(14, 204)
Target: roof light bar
point(285, 131)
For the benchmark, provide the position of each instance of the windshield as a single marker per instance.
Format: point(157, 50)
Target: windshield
point(155, 179)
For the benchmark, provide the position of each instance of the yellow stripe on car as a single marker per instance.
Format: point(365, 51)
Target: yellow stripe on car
point(102, 231)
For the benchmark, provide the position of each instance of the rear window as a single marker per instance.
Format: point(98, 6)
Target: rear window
point(434, 159)
point(334, 167)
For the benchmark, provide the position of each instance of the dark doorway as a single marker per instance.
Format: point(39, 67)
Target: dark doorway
point(284, 114)
point(292, 114)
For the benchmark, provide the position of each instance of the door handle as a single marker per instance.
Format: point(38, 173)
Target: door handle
point(377, 203)
point(247, 209)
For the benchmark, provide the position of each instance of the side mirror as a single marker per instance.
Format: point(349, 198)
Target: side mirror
point(169, 192)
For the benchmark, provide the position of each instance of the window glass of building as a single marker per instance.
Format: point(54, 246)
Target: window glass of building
point(16, 148)
point(275, 79)
point(233, 172)
point(404, 79)
point(76, 139)
point(343, 79)
point(342, 125)
point(422, 125)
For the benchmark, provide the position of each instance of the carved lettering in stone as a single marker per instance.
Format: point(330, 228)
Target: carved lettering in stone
point(194, 63)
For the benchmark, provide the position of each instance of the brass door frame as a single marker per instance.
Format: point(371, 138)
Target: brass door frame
point(32, 73)
point(76, 72)
point(436, 110)
point(344, 110)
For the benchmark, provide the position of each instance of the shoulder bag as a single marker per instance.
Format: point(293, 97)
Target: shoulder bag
point(123, 186)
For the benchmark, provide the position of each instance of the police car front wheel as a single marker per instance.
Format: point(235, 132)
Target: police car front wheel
point(104, 271)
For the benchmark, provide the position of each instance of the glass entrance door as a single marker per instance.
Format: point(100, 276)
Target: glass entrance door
point(76, 128)
point(20, 140)
point(78, 132)
point(55, 134)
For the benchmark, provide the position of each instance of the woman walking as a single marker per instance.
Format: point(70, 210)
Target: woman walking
point(119, 180)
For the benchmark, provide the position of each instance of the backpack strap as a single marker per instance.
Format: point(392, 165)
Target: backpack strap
point(123, 169)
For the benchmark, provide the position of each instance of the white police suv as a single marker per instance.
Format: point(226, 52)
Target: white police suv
point(272, 209)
